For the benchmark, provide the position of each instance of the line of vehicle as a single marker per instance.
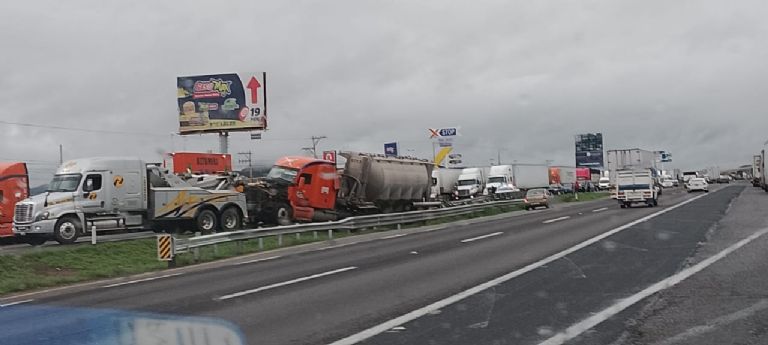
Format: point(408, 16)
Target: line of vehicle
point(288, 282)
point(257, 260)
point(415, 314)
point(15, 303)
point(582, 326)
point(556, 219)
point(481, 237)
point(142, 280)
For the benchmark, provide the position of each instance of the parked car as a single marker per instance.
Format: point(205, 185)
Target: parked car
point(556, 189)
point(697, 184)
point(537, 197)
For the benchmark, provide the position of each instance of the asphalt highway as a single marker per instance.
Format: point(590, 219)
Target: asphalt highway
point(528, 278)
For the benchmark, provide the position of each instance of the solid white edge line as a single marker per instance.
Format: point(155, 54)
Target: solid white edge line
point(481, 237)
point(15, 303)
point(383, 327)
point(287, 282)
point(141, 280)
point(556, 219)
point(257, 260)
point(594, 320)
point(600, 209)
point(393, 236)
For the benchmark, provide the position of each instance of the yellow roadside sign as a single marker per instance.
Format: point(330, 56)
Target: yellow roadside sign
point(164, 247)
point(442, 154)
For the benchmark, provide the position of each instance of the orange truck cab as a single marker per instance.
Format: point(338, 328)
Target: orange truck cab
point(311, 191)
point(14, 187)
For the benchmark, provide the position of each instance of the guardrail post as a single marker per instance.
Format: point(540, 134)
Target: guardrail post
point(298, 236)
point(261, 243)
point(239, 247)
point(399, 226)
point(215, 249)
point(196, 250)
point(93, 234)
point(330, 234)
point(280, 240)
point(314, 234)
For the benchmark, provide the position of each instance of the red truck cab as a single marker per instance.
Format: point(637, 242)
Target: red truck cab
point(14, 187)
point(313, 188)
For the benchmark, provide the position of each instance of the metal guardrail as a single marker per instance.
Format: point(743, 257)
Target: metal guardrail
point(182, 245)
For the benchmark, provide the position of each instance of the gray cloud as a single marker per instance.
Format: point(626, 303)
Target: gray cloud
point(522, 77)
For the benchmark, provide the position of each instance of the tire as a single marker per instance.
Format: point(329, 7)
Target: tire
point(206, 221)
point(546, 206)
point(706, 191)
point(230, 219)
point(283, 214)
point(622, 206)
point(67, 230)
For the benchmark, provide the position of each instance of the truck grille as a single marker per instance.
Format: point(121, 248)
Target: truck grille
point(464, 192)
point(23, 213)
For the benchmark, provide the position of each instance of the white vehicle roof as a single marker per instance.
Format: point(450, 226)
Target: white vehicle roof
point(78, 166)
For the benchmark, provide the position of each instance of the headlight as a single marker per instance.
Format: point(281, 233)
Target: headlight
point(42, 216)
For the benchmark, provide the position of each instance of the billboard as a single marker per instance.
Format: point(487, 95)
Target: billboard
point(589, 150)
point(329, 156)
point(222, 102)
point(199, 163)
point(390, 149)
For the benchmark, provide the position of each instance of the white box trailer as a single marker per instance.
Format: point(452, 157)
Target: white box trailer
point(444, 182)
point(629, 159)
point(529, 176)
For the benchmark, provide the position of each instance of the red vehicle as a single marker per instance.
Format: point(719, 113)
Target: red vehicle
point(309, 189)
point(14, 187)
point(200, 163)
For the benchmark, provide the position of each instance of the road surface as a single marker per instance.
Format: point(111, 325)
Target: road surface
point(557, 276)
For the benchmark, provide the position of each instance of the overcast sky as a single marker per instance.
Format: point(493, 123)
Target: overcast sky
point(523, 77)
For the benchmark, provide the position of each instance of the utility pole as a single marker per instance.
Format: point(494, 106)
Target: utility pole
point(498, 157)
point(61, 154)
point(315, 141)
point(247, 160)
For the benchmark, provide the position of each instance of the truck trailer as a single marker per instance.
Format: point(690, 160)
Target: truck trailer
point(122, 193)
point(529, 176)
point(14, 187)
point(444, 182)
point(630, 159)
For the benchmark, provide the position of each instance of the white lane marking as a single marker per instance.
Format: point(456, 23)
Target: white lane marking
point(257, 260)
point(393, 236)
point(556, 219)
point(600, 209)
point(481, 237)
point(441, 304)
point(337, 246)
point(582, 326)
point(141, 280)
point(288, 282)
point(15, 303)
point(720, 321)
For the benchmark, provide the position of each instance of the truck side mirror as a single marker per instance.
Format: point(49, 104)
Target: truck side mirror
point(88, 185)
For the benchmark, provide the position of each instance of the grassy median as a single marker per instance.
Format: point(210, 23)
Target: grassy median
point(588, 196)
point(83, 262)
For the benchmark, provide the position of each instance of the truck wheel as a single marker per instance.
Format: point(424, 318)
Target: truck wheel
point(283, 214)
point(655, 202)
point(67, 230)
point(622, 205)
point(230, 219)
point(206, 222)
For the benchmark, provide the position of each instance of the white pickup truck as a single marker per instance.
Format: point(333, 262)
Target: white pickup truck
point(636, 187)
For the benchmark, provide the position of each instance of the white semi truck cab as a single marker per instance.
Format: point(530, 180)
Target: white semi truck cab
point(470, 184)
point(500, 183)
point(122, 193)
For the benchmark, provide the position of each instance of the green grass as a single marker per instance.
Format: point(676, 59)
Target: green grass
point(83, 262)
point(582, 196)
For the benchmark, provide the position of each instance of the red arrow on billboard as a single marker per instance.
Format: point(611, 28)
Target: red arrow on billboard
point(254, 86)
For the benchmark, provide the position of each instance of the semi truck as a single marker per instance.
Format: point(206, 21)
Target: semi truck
point(500, 183)
point(14, 187)
point(471, 182)
point(630, 159)
point(444, 183)
point(122, 193)
point(757, 166)
point(309, 189)
point(529, 176)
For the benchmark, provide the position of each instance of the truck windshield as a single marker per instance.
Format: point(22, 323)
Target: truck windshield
point(498, 179)
point(466, 182)
point(64, 183)
point(282, 173)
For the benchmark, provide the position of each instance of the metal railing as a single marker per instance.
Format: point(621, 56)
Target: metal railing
point(182, 245)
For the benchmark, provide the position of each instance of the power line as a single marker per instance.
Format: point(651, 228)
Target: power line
point(88, 130)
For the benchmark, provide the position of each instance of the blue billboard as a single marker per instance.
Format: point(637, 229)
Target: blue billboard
point(390, 149)
point(589, 150)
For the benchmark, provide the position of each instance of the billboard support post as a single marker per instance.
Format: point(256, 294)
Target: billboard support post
point(224, 142)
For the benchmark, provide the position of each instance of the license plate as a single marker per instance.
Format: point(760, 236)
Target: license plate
point(634, 195)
